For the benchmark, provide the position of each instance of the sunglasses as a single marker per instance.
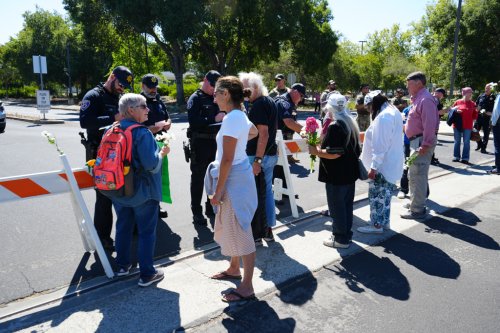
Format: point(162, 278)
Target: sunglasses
point(141, 106)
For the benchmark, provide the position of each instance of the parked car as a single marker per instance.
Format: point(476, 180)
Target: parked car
point(3, 118)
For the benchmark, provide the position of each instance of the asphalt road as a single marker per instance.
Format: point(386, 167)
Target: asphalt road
point(41, 248)
point(440, 276)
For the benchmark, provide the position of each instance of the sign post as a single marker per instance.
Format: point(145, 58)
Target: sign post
point(43, 101)
point(42, 96)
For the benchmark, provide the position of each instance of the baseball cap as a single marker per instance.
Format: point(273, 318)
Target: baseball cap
point(124, 76)
point(331, 82)
point(212, 77)
point(300, 88)
point(279, 77)
point(400, 90)
point(150, 80)
point(442, 91)
point(369, 97)
point(337, 100)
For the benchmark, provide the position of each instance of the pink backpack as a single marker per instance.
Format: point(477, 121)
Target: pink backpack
point(113, 172)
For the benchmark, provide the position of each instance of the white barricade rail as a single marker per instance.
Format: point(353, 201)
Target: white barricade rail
point(56, 182)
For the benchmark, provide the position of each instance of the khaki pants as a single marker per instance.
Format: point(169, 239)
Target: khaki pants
point(419, 176)
point(363, 122)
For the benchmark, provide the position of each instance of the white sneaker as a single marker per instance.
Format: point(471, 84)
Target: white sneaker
point(371, 230)
point(330, 242)
point(401, 195)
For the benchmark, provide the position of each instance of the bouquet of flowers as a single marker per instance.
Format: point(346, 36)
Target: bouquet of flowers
point(410, 160)
point(312, 137)
point(52, 140)
point(164, 139)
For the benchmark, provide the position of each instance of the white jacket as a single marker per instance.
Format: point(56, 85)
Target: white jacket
point(383, 145)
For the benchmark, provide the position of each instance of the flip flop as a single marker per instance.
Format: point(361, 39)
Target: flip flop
point(225, 276)
point(241, 298)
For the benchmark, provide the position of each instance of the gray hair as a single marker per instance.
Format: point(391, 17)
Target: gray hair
point(254, 81)
point(342, 114)
point(129, 100)
point(417, 76)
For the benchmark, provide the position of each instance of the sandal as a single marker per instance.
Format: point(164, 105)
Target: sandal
point(225, 276)
point(240, 297)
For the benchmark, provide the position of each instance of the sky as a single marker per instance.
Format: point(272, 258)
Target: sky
point(355, 19)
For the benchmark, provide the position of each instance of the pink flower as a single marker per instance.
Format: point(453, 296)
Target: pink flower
point(311, 125)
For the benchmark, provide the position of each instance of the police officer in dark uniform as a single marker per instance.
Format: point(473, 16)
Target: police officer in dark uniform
point(287, 118)
point(484, 105)
point(203, 115)
point(99, 108)
point(158, 119)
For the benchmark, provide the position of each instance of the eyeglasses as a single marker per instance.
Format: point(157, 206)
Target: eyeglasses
point(142, 106)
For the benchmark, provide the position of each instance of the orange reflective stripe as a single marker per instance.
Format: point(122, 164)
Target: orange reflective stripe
point(24, 188)
point(293, 147)
point(83, 179)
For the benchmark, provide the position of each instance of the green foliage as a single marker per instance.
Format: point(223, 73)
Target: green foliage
point(19, 92)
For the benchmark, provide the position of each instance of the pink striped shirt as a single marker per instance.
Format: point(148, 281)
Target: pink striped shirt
point(423, 118)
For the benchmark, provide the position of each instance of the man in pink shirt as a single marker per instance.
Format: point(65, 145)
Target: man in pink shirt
point(421, 128)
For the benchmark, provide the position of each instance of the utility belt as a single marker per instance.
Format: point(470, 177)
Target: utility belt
point(197, 135)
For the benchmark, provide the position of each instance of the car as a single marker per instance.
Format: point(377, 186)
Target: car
point(3, 118)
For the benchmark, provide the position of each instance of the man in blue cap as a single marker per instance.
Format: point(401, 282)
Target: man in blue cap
point(99, 108)
point(158, 119)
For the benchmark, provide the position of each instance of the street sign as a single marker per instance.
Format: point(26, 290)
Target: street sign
point(39, 61)
point(43, 100)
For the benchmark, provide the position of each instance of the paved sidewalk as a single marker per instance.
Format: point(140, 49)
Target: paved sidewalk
point(187, 297)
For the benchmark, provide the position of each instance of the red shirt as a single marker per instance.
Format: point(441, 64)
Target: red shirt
point(469, 113)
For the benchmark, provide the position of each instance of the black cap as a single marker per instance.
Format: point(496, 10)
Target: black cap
point(279, 77)
point(124, 76)
point(400, 90)
point(150, 81)
point(300, 88)
point(442, 91)
point(332, 82)
point(212, 77)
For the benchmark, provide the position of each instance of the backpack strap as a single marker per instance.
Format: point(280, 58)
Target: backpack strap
point(128, 136)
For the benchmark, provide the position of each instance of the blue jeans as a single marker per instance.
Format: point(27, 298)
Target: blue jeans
point(496, 143)
point(146, 218)
point(340, 200)
point(465, 134)
point(268, 164)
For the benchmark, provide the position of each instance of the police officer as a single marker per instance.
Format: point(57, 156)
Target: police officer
point(287, 118)
point(158, 119)
point(398, 101)
point(99, 108)
point(484, 105)
point(203, 116)
point(280, 88)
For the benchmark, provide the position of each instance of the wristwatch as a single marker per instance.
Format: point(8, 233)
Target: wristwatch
point(258, 160)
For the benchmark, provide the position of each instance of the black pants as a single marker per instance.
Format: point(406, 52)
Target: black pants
point(403, 184)
point(202, 154)
point(483, 123)
point(340, 199)
point(103, 216)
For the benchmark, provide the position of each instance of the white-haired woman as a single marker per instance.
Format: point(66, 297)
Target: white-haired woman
point(142, 207)
point(338, 169)
point(383, 155)
point(261, 151)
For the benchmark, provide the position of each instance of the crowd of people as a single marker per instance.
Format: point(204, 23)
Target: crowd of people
point(232, 151)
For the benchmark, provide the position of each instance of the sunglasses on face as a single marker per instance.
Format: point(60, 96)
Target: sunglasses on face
point(141, 106)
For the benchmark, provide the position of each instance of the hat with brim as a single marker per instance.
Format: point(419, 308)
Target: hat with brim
point(369, 97)
point(212, 77)
point(124, 76)
point(150, 81)
point(279, 77)
point(300, 88)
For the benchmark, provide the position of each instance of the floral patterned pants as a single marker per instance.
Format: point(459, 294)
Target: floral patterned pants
point(379, 196)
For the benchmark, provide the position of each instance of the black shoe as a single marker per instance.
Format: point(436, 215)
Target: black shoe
point(163, 213)
point(435, 161)
point(269, 237)
point(478, 147)
point(483, 151)
point(107, 244)
point(199, 220)
point(465, 162)
point(455, 160)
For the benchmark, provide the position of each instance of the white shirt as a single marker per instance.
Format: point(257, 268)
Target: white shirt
point(383, 145)
point(236, 125)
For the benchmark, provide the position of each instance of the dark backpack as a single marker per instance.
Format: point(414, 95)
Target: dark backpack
point(113, 172)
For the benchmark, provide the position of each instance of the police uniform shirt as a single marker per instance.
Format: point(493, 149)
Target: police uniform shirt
point(286, 110)
point(263, 112)
point(201, 112)
point(157, 110)
point(97, 110)
point(486, 102)
point(278, 92)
